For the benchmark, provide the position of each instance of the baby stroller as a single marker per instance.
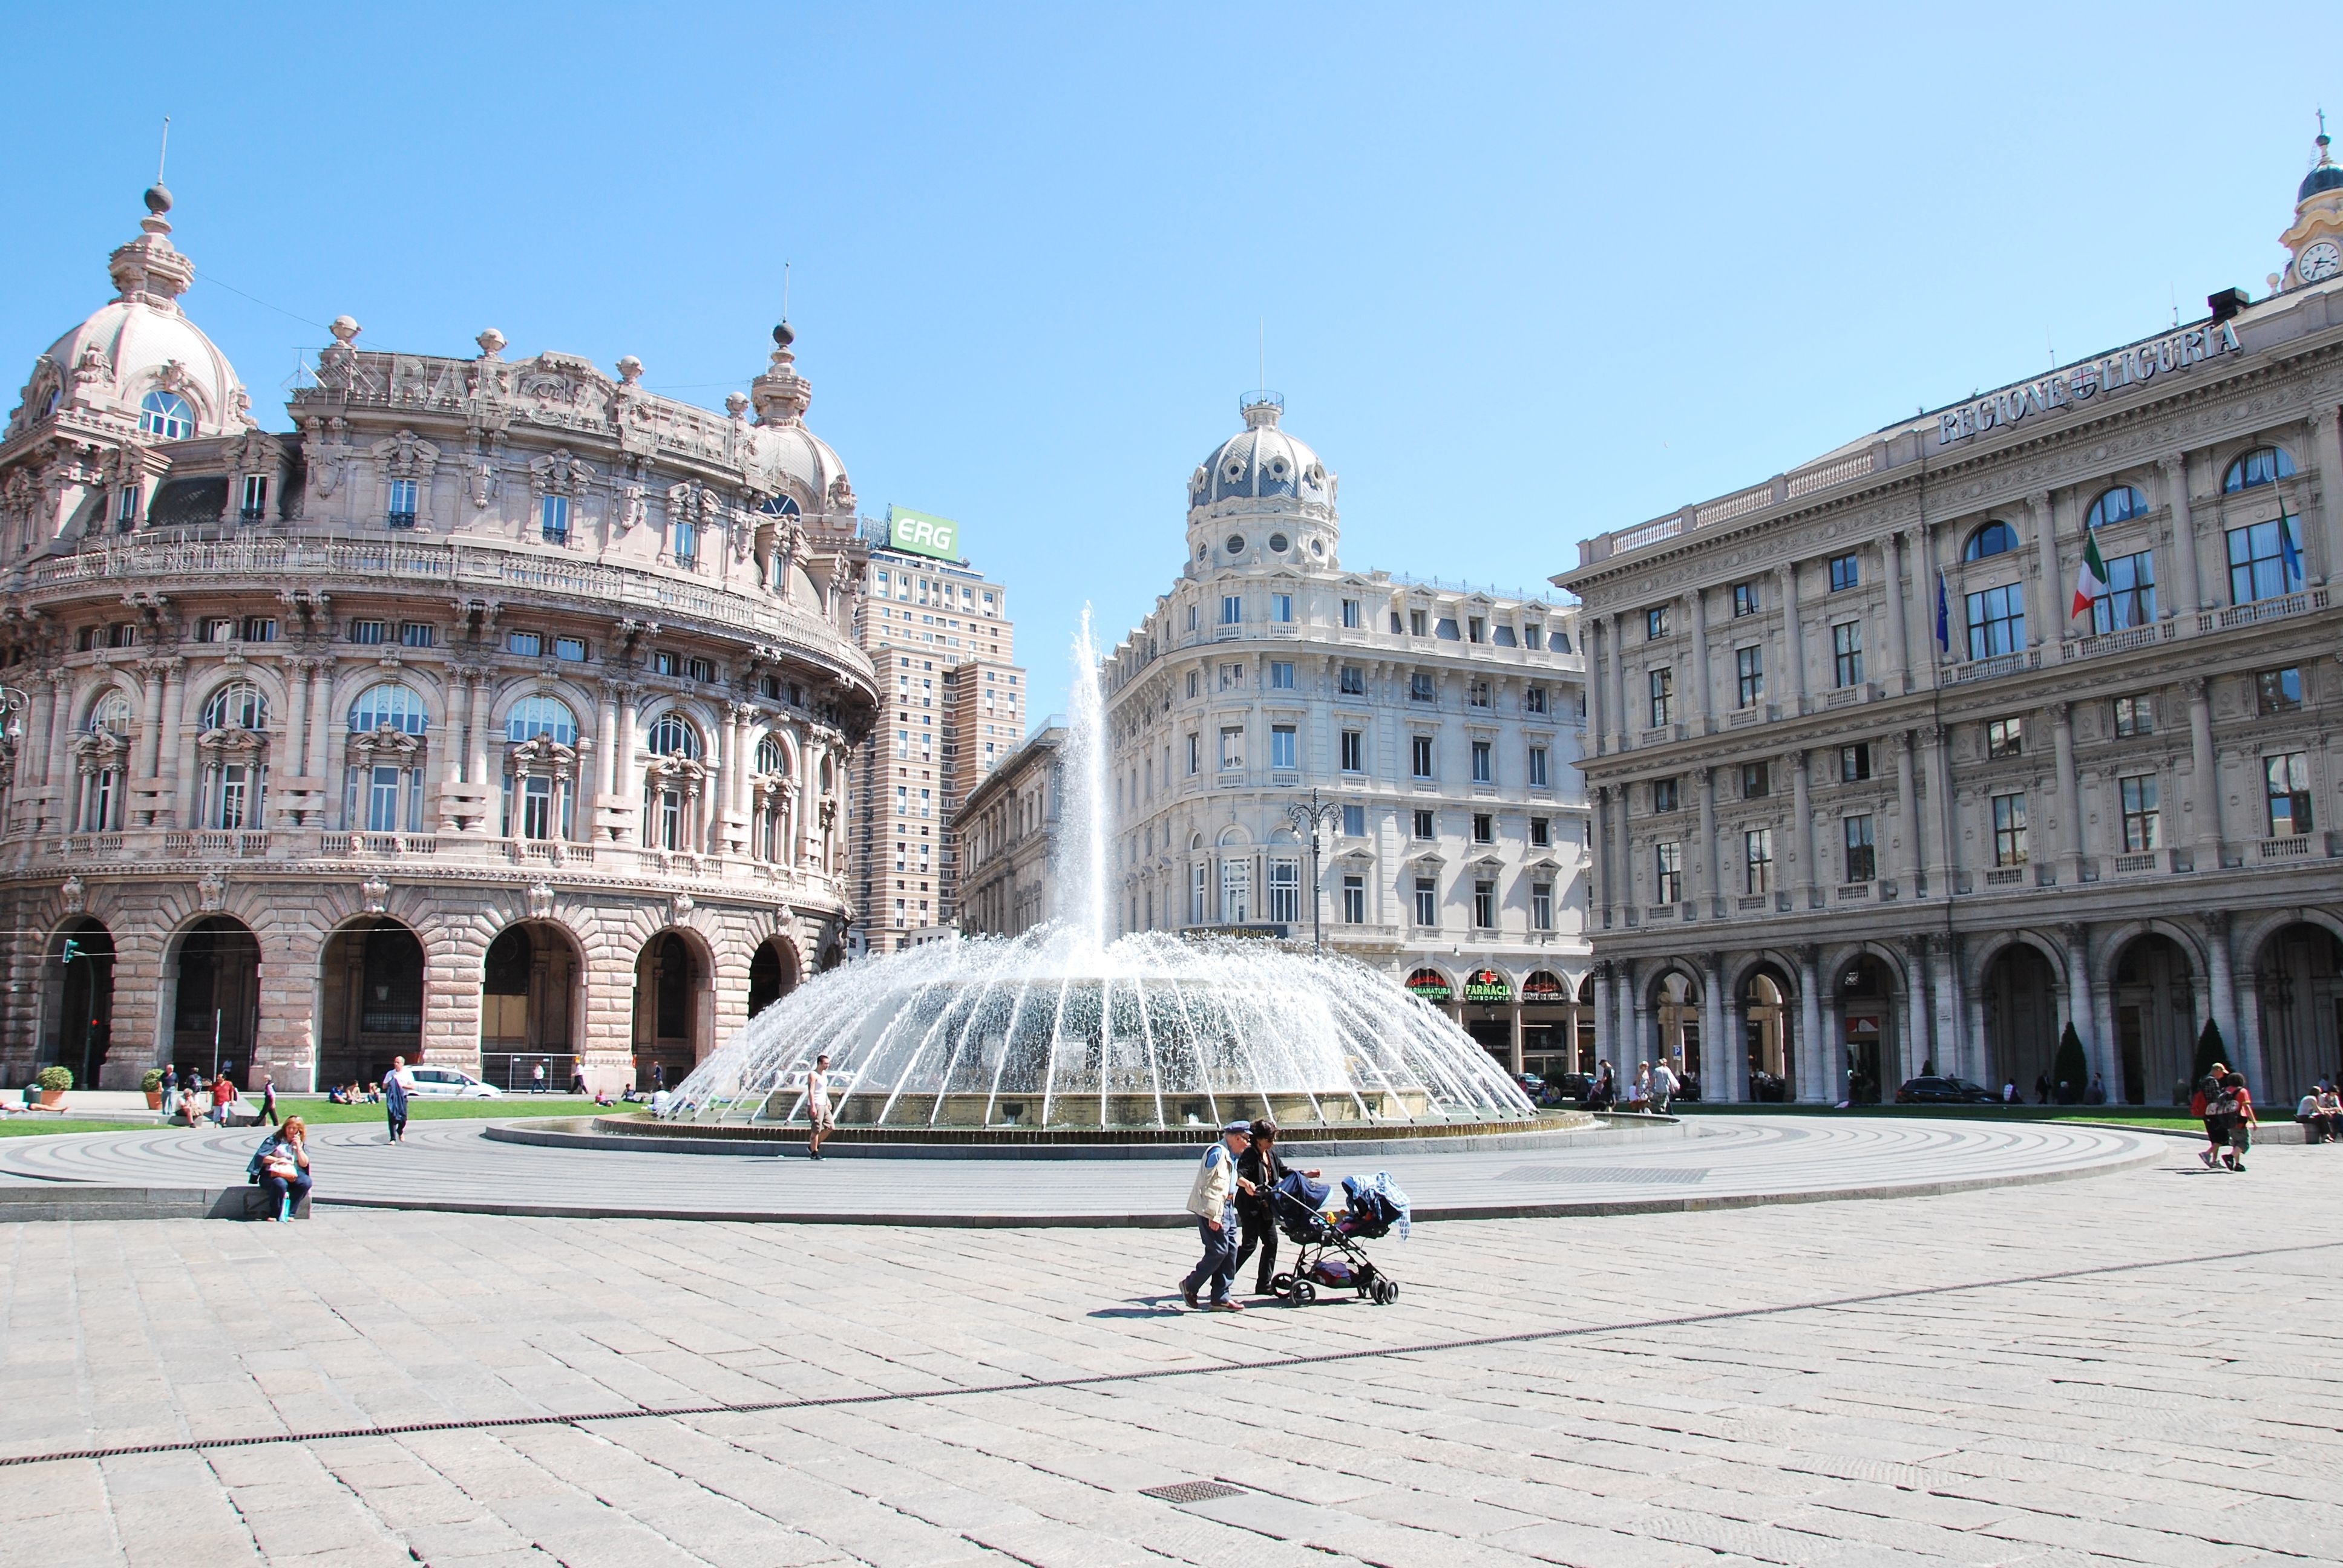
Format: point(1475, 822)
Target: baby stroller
point(1329, 1254)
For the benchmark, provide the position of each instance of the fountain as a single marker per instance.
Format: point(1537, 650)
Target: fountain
point(1062, 1031)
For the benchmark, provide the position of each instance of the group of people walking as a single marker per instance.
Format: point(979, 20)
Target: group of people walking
point(1233, 1199)
point(1654, 1085)
point(2226, 1107)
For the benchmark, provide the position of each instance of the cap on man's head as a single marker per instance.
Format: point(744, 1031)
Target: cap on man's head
point(1237, 1129)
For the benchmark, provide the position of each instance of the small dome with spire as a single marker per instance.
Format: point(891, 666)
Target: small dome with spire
point(2324, 174)
point(1262, 463)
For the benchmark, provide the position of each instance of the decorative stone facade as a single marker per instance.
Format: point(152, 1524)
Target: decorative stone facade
point(500, 711)
point(1006, 833)
point(1867, 777)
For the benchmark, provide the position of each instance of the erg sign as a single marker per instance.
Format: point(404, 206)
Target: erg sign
point(922, 534)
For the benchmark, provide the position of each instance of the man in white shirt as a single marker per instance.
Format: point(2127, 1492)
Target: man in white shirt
point(817, 1110)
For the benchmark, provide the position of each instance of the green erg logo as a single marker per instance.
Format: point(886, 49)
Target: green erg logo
point(921, 534)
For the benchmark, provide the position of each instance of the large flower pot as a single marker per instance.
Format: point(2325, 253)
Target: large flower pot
point(154, 1099)
point(52, 1097)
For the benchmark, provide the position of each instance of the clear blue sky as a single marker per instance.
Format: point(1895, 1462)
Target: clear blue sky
point(1527, 273)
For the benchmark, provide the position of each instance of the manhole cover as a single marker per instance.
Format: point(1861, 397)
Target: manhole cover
point(1191, 1491)
point(1609, 1175)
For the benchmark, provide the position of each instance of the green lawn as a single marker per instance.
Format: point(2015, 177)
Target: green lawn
point(2158, 1116)
point(28, 1126)
point(320, 1113)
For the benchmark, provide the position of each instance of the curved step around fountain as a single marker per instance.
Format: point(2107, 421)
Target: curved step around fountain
point(641, 1135)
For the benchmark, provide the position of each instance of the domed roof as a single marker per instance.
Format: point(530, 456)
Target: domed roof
point(141, 342)
point(793, 459)
point(1262, 462)
point(2324, 176)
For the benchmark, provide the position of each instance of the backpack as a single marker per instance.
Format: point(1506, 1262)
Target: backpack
point(2196, 1104)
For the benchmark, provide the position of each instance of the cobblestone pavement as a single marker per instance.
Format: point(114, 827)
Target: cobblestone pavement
point(2138, 1367)
point(1714, 1160)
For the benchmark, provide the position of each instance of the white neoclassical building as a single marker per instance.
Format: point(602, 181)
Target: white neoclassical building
point(1435, 729)
point(497, 711)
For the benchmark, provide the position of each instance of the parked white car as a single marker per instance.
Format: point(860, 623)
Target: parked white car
point(447, 1083)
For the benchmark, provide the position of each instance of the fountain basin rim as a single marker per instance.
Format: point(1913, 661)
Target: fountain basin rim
point(639, 1124)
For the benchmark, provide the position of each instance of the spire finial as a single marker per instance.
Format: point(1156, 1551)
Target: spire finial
point(165, 151)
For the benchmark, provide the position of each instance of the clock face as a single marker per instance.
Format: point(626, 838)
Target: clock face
point(2319, 262)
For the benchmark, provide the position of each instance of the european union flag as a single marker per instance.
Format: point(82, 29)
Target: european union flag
point(1944, 617)
point(2286, 552)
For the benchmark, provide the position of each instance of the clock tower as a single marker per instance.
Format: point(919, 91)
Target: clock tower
point(2316, 239)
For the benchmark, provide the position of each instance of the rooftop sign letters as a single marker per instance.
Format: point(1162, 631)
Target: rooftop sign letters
point(2081, 383)
point(922, 534)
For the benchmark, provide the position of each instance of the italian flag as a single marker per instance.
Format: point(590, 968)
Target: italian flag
point(2091, 582)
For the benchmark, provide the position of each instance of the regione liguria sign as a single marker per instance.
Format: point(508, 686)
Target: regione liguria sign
point(2080, 383)
point(922, 534)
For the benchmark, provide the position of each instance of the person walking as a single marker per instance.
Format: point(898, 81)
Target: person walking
point(1212, 1199)
point(283, 1163)
point(1663, 1086)
point(1257, 1209)
point(2205, 1104)
point(2240, 1100)
point(223, 1097)
point(170, 1091)
point(536, 1079)
point(269, 1101)
point(818, 1107)
point(396, 1085)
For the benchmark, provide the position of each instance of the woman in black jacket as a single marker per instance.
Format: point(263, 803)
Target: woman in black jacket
point(1257, 1210)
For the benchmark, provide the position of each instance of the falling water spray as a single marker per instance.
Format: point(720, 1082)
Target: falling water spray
point(1080, 867)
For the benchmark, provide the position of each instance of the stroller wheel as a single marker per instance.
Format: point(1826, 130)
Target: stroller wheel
point(1385, 1293)
point(1281, 1286)
point(1304, 1292)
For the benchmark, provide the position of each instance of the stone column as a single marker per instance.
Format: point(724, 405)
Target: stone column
point(150, 734)
point(1599, 854)
point(1793, 643)
point(1626, 899)
point(476, 765)
point(1943, 877)
point(1517, 1058)
point(457, 742)
point(2103, 1030)
point(606, 742)
point(2326, 444)
point(1736, 1035)
point(1606, 1042)
point(33, 750)
point(1907, 821)
point(1918, 1051)
point(1801, 808)
point(2071, 847)
point(1899, 653)
point(1696, 601)
point(1712, 890)
point(2224, 999)
point(2075, 943)
point(1718, 1079)
point(1636, 1019)
point(320, 761)
point(58, 770)
point(2204, 785)
point(2184, 532)
point(1815, 1059)
point(1616, 700)
point(300, 690)
point(1598, 717)
point(1959, 1050)
point(176, 767)
point(2042, 582)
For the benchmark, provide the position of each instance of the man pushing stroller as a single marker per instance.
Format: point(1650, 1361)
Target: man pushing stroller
point(1212, 1199)
point(1241, 1168)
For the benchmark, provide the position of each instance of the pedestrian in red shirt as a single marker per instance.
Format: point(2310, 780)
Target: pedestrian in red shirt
point(2239, 1101)
point(223, 1096)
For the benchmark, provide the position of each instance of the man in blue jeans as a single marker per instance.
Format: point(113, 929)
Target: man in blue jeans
point(1212, 1199)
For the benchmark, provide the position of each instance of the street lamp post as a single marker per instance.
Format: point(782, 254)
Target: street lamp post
point(1308, 819)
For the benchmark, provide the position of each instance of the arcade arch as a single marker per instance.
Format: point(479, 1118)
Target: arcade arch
point(772, 974)
point(2298, 991)
point(78, 999)
point(675, 1009)
point(213, 979)
point(370, 997)
point(2019, 997)
point(1765, 996)
point(2155, 994)
point(530, 979)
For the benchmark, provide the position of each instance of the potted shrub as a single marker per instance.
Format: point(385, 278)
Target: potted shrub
point(152, 1084)
point(54, 1082)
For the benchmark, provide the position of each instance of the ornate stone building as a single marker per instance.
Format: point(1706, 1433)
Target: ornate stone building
point(1437, 726)
point(1006, 833)
point(499, 711)
point(2020, 714)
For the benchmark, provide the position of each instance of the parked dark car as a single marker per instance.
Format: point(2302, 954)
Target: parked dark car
point(1945, 1091)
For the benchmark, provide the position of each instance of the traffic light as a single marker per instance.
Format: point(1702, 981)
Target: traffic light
point(72, 951)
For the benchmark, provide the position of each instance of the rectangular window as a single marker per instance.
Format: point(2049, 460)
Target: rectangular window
point(2130, 598)
point(1192, 626)
point(1281, 608)
point(1663, 685)
point(415, 634)
point(1757, 860)
point(1484, 827)
point(687, 543)
point(1420, 756)
point(2005, 737)
point(1281, 747)
point(1197, 913)
point(553, 519)
point(1538, 780)
point(1996, 621)
point(2135, 715)
point(1232, 608)
point(1484, 905)
point(1655, 623)
point(1476, 694)
point(1483, 769)
point(382, 799)
point(367, 632)
point(1354, 821)
point(2279, 690)
point(1862, 859)
point(1540, 832)
point(1281, 675)
point(1667, 873)
point(1415, 626)
point(536, 807)
point(1285, 890)
point(1195, 760)
point(1846, 653)
point(1354, 752)
point(569, 649)
point(1355, 900)
point(701, 670)
point(1749, 674)
point(259, 629)
point(1476, 629)
point(1745, 598)
point(1533, 699)
point(1423, 826)
point(1236, 891)
point(256, 498)
point(1756, 780)
point(1668, 795)
point(1855, 762)
point(2009, 830)
point(1232, 677)
point(1192, 683)
point(2286, 779)
point(400, 513)
point(1231, 749)
point(1427, 902)
point(530, 644)
point(1418, 686)
point(2264, 561)
point(126, 511)
point(1532, 636)
point(1541, 906)
point(1353, 682)
point(1846, 572)
point(2142, 820)
point(1351, 614)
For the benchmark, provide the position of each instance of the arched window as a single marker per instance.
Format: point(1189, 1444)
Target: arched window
point(671, 736)
point(777, 506)
point(167, 415)
point(2119, 505)
point(2262, 466)
point(1996, 538)
point(534, 716)
point(772, 756)
point(389, 704)
point(113, 714)
point(236, 706)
